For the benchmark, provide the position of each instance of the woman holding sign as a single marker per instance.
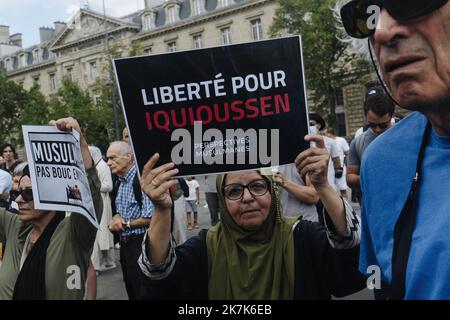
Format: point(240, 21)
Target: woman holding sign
point(254, 252)
point(47, 253)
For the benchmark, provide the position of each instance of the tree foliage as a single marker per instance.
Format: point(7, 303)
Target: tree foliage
point(328, 65)
point(12, 98)
point(72, 101)
point(35, 112)
point(19, 107)
point(108, 100)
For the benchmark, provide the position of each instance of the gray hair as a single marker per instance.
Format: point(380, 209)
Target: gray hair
point(123, 147)
point(357, 46)
point(18, 170)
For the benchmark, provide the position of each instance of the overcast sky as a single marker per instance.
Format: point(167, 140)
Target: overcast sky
point(26, 16)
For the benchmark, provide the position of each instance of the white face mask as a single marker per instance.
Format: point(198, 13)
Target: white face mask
point(312, 129)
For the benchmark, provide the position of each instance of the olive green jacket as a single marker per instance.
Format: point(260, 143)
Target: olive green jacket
point(68, 253)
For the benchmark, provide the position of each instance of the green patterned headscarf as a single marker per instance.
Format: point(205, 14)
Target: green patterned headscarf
point(256, 264)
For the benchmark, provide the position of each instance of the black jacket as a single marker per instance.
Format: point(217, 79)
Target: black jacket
point(320, 270)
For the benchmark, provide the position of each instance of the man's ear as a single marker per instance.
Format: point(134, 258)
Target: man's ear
point(130, 157)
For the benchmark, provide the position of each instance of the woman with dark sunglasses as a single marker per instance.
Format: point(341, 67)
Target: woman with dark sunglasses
point(47, 253)
point(254, 252)
point(405, 174)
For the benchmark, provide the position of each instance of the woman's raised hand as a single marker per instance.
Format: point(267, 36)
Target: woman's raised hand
point(314, 161)
point(156, 182)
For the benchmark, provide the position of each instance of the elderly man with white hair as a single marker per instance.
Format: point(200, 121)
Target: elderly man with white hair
point(405, 175)
point(132, 213)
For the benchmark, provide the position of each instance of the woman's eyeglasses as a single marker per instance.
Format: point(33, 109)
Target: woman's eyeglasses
point(235, 191)
point(27, 194)
point(357, 15)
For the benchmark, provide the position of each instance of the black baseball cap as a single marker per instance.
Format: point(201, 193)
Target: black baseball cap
point(375, 91)
point(378, 101)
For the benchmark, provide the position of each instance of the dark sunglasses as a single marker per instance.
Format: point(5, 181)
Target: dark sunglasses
point(356, 14)
point(379, 125)
point(27, 194)
point(235, 191)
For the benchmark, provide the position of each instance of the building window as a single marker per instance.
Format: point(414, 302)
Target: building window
point(8, 64)
point(197, 41)
point(36, 81)
point(69, 73)
point(197, 4)
point(226, 35)
point(93, 70)
point(23, 60)
point(147, 21)
point(172, 46)
point(172, 14)
point(339, 97)
point(342, 130)
point(224, 3)
point(53, 81)
point(256, 29)
point(36, 56)
point(148, 51)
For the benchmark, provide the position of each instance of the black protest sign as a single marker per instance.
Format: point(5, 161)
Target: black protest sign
point(218, 109)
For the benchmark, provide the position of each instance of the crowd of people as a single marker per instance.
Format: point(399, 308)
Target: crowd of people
point(288, 232)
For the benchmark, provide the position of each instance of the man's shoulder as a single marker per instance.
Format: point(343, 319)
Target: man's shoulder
point(398, 145)
point(192, 183)
point(366, 137)
point(4, 174)
point(11, 219)
point(406, 131)
point(328, 141)
point(342, 141)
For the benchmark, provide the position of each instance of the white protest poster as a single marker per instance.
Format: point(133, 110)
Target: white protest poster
point(57, 171)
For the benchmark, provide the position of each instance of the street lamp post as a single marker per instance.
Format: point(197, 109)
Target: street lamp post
point(111, 81)
point(113, 95)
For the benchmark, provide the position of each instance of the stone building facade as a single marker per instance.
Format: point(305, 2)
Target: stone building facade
point(79, 49)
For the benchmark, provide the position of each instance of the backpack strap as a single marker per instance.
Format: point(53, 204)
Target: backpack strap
point(115, 190)
point(137, 190)
point(404, 229)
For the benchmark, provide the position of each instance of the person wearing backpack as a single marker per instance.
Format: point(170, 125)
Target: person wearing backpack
point(133, 210)
point(379, 109)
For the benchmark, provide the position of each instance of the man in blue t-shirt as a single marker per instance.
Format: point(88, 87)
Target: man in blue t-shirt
point(409, 245)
